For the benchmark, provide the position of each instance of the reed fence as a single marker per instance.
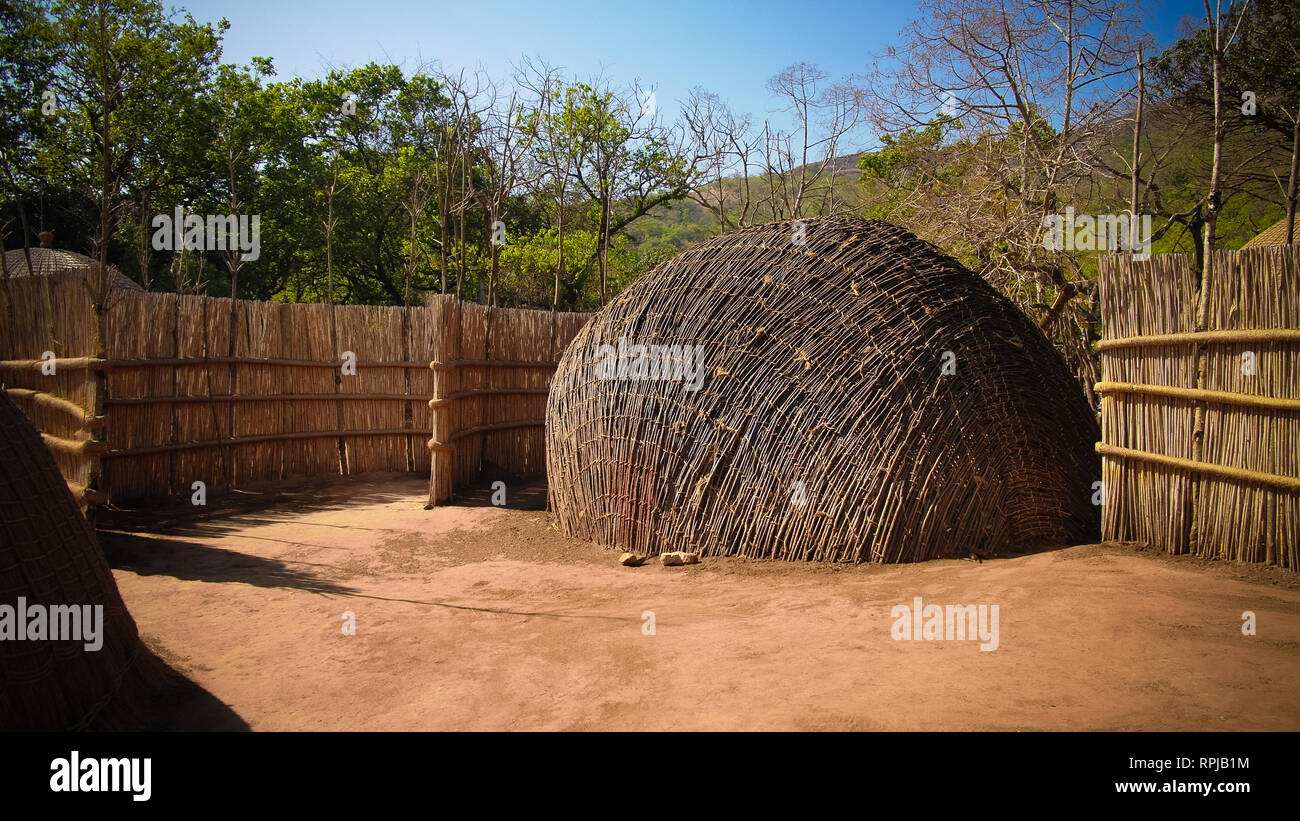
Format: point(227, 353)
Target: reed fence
point(1201, 404)
point(229, 392)
point(492, 374)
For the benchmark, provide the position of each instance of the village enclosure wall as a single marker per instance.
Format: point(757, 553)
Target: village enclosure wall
point(1200, 412)
point(230, 392)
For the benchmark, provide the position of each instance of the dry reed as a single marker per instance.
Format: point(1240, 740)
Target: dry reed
point(1235, 374)
point(184, 404)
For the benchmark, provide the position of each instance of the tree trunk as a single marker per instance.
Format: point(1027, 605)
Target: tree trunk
point(443, 199)
point(1207, 266)
point(1137, 137)
point(604, 250)
point(495, 252)
point(408, 415)
point(142, 254)
point(233, 371)
point(99, 303)
point(559, 267)
point(1295, 179)
point(334, 330)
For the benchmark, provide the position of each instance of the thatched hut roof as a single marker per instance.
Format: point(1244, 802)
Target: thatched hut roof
point(49, 261)
point(1273, 235)
point(48, 557)
point(827, 425)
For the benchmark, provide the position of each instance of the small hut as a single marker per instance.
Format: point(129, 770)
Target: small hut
point(49, 558)
point(1273, 236)
point(828, 389)
point(48, 260)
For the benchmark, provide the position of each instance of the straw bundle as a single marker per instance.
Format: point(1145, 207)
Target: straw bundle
point(827, 426)
point(48, 556)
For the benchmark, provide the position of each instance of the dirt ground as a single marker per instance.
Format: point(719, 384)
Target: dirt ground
point(473, 617)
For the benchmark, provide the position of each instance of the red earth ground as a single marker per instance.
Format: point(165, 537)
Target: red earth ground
point(474, 617)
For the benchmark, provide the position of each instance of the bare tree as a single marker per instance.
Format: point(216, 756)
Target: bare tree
point(1219, 43)
point(550, 134)
point(628, 161)
point(724, 142)
point(611, 126)
point(327, 228)
point(1021, 90)
point(453, 170)
point(823, 114)
point(502, 150)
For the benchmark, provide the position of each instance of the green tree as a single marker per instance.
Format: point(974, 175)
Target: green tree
point(27, 64)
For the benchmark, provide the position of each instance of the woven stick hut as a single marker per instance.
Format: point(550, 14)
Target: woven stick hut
point(842, 391)
point(49, 558)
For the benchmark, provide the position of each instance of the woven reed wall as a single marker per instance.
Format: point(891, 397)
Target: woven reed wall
point(1166, 442)
point(50, 313)
point(203, 389)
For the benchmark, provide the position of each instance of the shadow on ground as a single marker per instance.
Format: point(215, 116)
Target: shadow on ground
point(182, 705)
point(172, 537)
point(230, 510)
point(149, 555)
point(520, 494)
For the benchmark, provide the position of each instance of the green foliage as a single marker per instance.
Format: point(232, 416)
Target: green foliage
point(28, 57)
point(385, 170)
point(410, 160)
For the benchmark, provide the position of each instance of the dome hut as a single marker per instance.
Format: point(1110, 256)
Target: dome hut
point(828, 389)
point(47, 261)
point(49, 558)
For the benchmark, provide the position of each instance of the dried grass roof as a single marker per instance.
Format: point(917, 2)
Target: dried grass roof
point(47, 261)
point(825, 385)
point(1273, 235)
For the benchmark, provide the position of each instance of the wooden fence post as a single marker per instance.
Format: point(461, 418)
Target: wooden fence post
point(446, 381)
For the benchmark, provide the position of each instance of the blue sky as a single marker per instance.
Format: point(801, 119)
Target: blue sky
point(730, 48)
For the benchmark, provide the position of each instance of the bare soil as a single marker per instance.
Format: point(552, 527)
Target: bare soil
point(474, 617)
